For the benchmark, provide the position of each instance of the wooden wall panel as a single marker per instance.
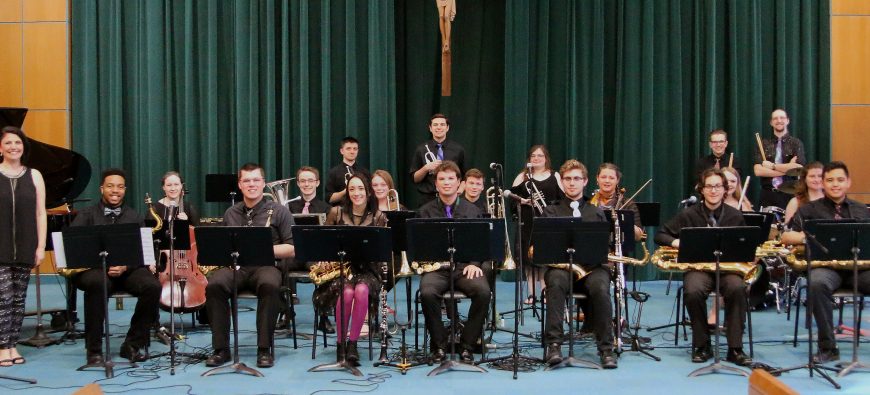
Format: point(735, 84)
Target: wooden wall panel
point(849, 142)
point(48, 126)
point(45, 10)
point(10, 66)
point(46, 79)
point(850, 7)
point(10, 10)
point(850, 59)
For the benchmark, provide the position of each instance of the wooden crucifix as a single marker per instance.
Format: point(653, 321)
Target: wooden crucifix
point(446, 14)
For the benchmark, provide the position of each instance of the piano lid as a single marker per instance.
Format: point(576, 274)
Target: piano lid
point(66, 172)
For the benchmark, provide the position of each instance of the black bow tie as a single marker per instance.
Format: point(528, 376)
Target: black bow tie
point(112, 211)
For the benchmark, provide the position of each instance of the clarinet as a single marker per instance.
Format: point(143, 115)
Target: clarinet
point(619, 287)
point(383, 324)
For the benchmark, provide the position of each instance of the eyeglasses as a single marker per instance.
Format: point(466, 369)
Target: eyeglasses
point(575, 179)
point(717, 187)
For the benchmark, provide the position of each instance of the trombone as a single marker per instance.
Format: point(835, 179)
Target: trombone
point(496, 208)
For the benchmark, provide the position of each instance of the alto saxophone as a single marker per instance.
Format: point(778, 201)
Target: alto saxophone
point(426, 267)
point(323, 272)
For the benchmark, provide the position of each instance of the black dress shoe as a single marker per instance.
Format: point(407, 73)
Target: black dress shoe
point(738, 357)
point(608, 360)
point(132, 353)
point(352, 353)
point(265, 358)
point(701, 354)
point(339, 352)
point(554, 354)
point(218, 358)
point(466, 356)
point(94, 357)
point(325, 325)
point(438, 355)
point(827, 355)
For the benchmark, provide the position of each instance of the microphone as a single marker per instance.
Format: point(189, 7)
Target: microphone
point(510, 195)
point(295, 199)
point(494, 166)
point(689, 201)
point(165, 337)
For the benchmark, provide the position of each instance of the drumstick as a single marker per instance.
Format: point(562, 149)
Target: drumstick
point(731, 160)
point(635, 194)
point(743, 194)
point(760, 147)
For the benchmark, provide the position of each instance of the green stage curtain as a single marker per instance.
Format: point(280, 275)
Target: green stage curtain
point(205, 86)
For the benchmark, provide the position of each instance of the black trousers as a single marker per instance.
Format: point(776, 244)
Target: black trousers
point(696, 287)
point(599, 311)
point(435, 284)
point(139, 282)
point(264, 281)
point(823, 283)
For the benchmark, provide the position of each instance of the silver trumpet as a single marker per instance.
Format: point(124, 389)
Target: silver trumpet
point(429, 157)
point(535, 195)
point(496, 208)
point(348, 175)
point(280, 190)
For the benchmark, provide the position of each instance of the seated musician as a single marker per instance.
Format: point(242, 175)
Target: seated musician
point(382, 183)
point(468, 277)
point(474, 189)
point(173, 190)
point(697, 284)
point(358, 208)
point(734, 189)
point(561, 282)
point(265, 280)
point(308, 180)
point(608, 179)
point(824, 281)
point(810, 187)
point(139, 282)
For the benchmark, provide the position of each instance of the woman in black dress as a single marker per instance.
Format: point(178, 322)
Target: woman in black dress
point(358, 208)
point(538, 173)
point(173, 191)
point(22, 237)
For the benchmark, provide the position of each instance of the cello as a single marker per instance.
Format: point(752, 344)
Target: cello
point(189, 283)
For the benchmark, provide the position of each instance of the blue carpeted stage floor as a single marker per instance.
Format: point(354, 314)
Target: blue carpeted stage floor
point(55, 366)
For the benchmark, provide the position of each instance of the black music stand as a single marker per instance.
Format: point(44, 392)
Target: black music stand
point(356, 245)
point(114, 245)
point(813, 246)
point(452, 240)
point(396, 221)
point(233, 247)
point(221, 187)
point(717, 244)
point(568, 239)
point(846, 240)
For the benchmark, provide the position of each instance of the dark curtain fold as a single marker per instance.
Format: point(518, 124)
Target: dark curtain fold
point(204, 86)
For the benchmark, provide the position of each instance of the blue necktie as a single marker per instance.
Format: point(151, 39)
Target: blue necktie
point(449, 210)
point(777, 181)
point(440, 153)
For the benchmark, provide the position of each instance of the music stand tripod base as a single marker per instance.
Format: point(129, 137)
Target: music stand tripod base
point(236, 367)
point(452, 365)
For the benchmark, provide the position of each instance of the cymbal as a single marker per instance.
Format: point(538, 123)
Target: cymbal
point(796, 172)
point(789, 187)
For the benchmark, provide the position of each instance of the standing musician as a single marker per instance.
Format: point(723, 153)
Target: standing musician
point(338, 175)
point(810, 187)
point(173, 191)
point(824, 281)
point(22, 236)
point(697, 284)
point(265, 281)
point(468, 277)
point(560, 283)
point(539, 176)
point(719, 157)
point(308, 180)
point(734, 189)
point(429, 155)
point(358, 208)
point(781, 154)
point(474, 189)
point(139, 281)
point(382, 183)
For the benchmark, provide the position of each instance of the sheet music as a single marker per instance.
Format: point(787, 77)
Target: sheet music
point(147, 247)
point(59, 254)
